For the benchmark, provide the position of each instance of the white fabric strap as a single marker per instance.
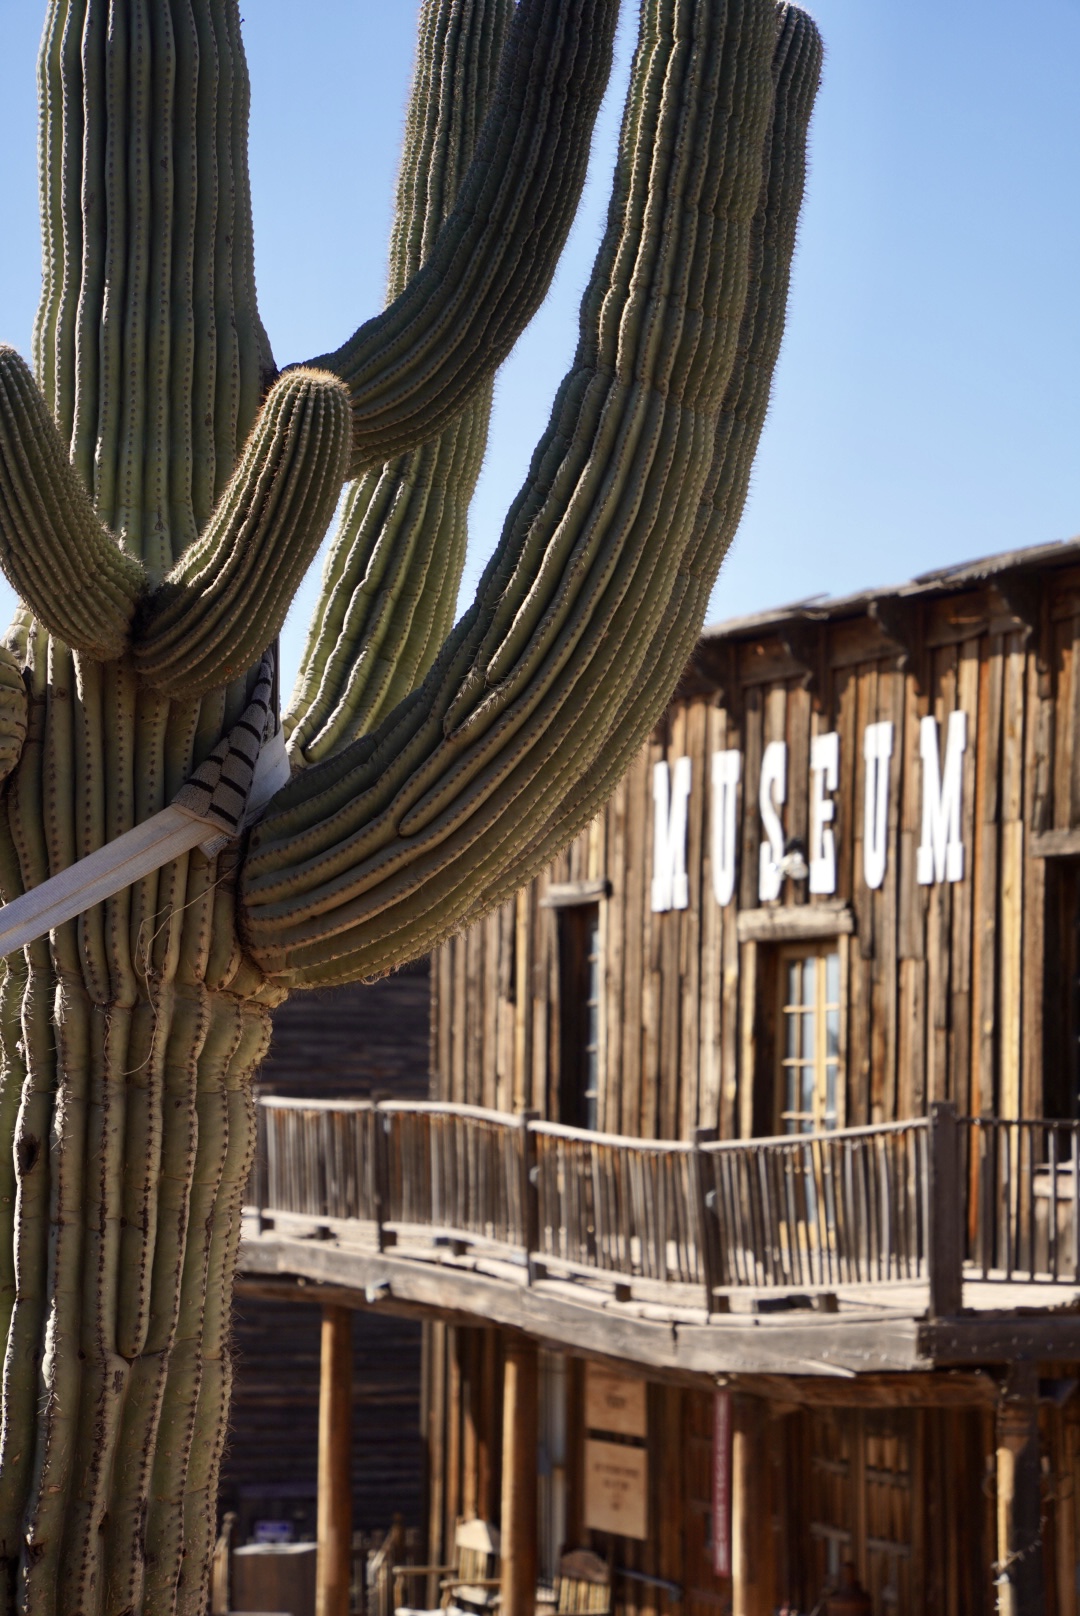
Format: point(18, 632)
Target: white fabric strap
point(99, 875)
point(166, 835)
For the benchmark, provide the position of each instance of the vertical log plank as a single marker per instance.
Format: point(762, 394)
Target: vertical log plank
point(752, 1592)
point(333, 1564)
point(1019, 1496)
point(520, 1437)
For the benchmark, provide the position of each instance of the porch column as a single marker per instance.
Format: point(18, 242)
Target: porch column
point(751, 1511)
point(519, 1460)
point(333, 1566)
point(1019, 1496)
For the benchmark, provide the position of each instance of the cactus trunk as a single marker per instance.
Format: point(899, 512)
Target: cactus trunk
point(128, 1088)
point(162, 490)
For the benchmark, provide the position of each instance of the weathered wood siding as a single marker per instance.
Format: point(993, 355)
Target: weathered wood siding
point(943, 985)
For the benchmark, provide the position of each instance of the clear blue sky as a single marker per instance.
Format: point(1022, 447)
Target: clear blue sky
point(926, 407)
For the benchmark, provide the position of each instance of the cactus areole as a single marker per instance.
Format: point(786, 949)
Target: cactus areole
point(163, 489)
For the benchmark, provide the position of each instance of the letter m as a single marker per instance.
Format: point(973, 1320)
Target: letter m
point(671, 796)
point(941, 852)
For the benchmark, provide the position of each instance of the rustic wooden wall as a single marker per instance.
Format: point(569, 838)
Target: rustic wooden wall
point(945, 985)
point(355, 1042)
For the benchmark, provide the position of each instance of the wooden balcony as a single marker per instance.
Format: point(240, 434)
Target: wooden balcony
point(941, 1240)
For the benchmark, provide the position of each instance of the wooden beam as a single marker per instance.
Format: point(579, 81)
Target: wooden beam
point(569, 894)
point(519, 1462)
point(1002, 1338)
point(803, 640)
point(1019, 1496)
point(752, 1591)
point(1055, 844)
point(333, 1567)
point(940, 1389)
point(834, 1344)
point(1021, 590)
point(898, 620)
point(945, 1258)
point(797, 923)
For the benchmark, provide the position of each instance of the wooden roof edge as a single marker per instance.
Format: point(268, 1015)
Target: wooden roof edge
point(941, 581)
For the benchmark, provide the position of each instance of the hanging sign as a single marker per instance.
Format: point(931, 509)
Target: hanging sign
point(614, 1402)
point(616, 1488)
point(721, 1487)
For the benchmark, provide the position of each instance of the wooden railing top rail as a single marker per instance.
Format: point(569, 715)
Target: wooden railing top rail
point(451, 1108)
point(1069, 1124)
point(616, 1141)
point(829, 1136)
point(292, 1102)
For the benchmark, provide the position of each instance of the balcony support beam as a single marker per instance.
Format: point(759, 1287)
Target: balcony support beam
point(333, 1564)
point(752, 1548)
point(1020, 1587)
point(519, 1464)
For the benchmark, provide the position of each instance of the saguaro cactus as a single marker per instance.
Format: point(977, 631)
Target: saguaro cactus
point(162, 489)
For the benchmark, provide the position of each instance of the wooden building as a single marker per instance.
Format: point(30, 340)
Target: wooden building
point(745, 1219)
point(359, 1041)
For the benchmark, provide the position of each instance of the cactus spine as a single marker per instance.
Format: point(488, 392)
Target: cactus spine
point(160, 464)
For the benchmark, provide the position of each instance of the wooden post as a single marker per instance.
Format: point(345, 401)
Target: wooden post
point(530, 1190)
point(519, 1459)
point(708, 1222)
point(381, 1126)
point(945, 1250)
point(333, 1569)
point(1019, 1496)
point(752, 1549)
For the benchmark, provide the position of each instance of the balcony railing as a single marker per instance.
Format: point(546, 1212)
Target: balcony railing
point(933, 1201)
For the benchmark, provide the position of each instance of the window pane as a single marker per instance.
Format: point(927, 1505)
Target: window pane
point(808, 1022)
point(832, 1033)
point(792, 994)
point(809, 977)
point(832, 978)
point(808, 1087)
point(791, 1036)
point(830, 1094)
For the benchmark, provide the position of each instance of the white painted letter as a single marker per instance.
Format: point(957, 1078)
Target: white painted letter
point(726, 768)
point(824, 776)
point(941, 853)
point(671, 795)
point(877, 750)
point(771, 794)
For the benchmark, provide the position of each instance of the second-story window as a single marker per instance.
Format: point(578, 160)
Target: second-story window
point(579, 1019)
point(809, 1038)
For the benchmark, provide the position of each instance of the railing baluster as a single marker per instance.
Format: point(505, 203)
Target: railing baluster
point(1052, 1205)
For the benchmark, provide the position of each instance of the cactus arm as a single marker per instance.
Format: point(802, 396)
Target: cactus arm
point(796, 68)
point(55, 552)
point(13, 716)
point(376, 853)
point(227, 597)
point(392, 575)
point(412, 369)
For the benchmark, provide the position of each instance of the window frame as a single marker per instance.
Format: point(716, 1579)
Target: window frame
point(785, 1121)
point(579, 1101)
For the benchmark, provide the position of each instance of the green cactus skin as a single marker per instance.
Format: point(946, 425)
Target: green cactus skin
point(609, 553)
point(160, 462)
point(391, 579)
